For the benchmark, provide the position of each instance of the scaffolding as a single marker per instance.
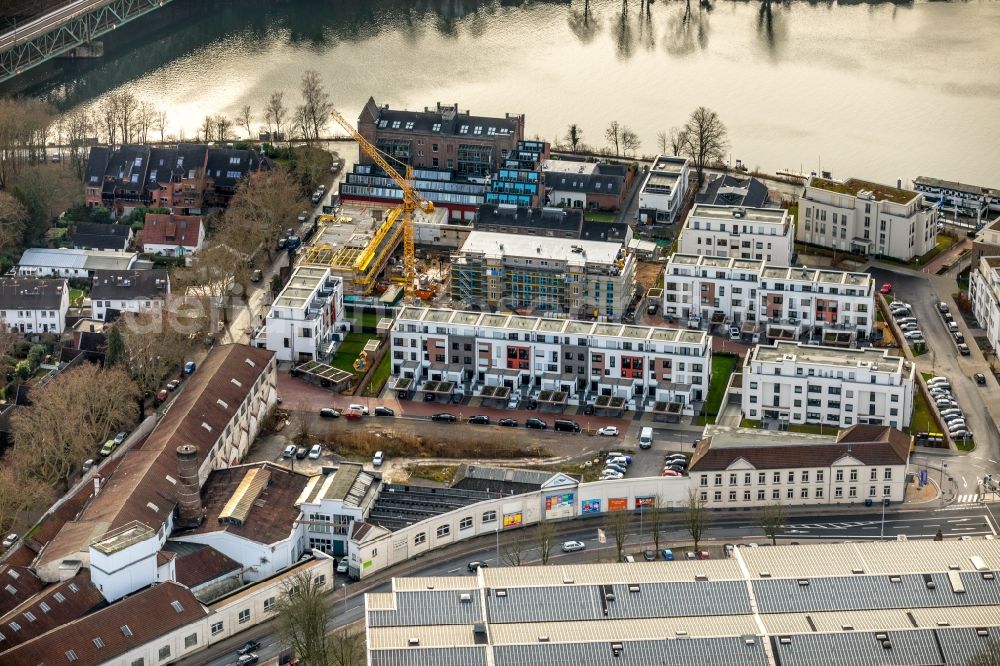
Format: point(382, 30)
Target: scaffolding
point(358, 264)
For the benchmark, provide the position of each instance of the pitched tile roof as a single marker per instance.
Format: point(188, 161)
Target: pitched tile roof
point(119, 628)
point(270, 517)
point(163, 229)
point(54, 606)
point(17, 585)
point(872, 445)
point(26, 293)
point(203, 566)
point(130, 285)
point(140, 490)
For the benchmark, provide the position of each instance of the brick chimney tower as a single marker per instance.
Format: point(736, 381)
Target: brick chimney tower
point(190, 511)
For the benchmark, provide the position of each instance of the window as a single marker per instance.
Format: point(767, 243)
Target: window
point(854, 475)
point(760, 495)
point(71, 655)
point(141, 661)
point(791, 477)
point(126, 632)
point(244, 616)
point(732, 479)
point(718, 479)
point(819, 476)
point(852, 492)
point(746, 479)
point(164, 653)
point(269, 604)
point(886, 491)
point(762, 477)
point(703, 481)
point(717, 496)
point(489, 516)
point(775, 494)
point(887, 474)
point(443, 531)
point(871, 491)
point(790, 493)
point(465, 523)
point(838, 492)
point(192, 640)
point(177, 606)
point(819, 493)
point(732, 496)
point(746, 495)
point(840, 475)
point(216, 628)
point(874, 474)
point(805, 476)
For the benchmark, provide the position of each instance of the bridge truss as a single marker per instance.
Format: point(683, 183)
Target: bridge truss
point(80, 27)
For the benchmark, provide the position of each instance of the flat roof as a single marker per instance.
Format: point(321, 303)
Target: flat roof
point(569, 250)
point(770, 271)
point(848, 358)
point(540, 324)
point(738, 213)
point(854, 186)
point(301, 287)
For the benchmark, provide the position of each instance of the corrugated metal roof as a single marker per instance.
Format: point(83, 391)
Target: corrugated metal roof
point(613, 572)
point(619, 630)
point(430, 608)
point(700, 651)
point(238, 506)
point(916, 648)
point(437, 636)
point(459, 656)
point(882, 620)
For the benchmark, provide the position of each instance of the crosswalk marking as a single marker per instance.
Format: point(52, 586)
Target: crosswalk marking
point(967, 499)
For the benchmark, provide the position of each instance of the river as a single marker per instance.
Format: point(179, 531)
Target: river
point(879, 91)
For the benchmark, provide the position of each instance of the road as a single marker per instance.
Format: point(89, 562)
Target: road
point(48, 22)
point(922, 293)
point(347, 603)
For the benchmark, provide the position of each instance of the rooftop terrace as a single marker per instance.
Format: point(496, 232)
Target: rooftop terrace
point(853, 186)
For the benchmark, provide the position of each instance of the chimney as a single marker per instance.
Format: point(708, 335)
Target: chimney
point(190, 511)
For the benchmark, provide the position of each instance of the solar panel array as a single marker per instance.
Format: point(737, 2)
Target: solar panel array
point(861, 592)
point(588, 602)
point(912, 648)
point(700, 651)
point(429, 608)
point(456, 656)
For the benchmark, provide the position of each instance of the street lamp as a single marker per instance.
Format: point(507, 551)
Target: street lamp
point(344, 585)
point(944, 466)
point(885, 502)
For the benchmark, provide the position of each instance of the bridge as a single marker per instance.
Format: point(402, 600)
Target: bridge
point(64, 29)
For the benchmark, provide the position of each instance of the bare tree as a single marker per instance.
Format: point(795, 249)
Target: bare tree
point(223, 127)
point(574, 137)
point(302, 611)
point(618, 524)
point(662, 142)
point(159, 124)
point(771, 518)
point(613, 135)
point(207, 129)
point(126, 108)
point(512, 549)
point(311, 165)
point(275, 113)
point(316, 105)
point(545, 537)
point(707, 139)
point(53, 189)
point(653, 515)
point(13, 218)
point(259, 212)
point(246, 119)
point(68, 419)
point(695, 516)
point(150, 348)
point(20, 492)
point(346, 648)
point(679, 141)
point(630, 141)
point(107, 116)
point(24, 124)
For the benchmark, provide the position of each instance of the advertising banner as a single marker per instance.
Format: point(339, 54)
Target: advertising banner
point(590, 506)
point(644, 502)
point(559, 505)
point(617, 503)
point(512, 519)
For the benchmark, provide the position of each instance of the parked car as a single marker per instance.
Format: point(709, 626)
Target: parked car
point(615, 467)
point(667, 554)
point(476, 566)
point(316, 197)
point(507, 423)
point(378, 459)
point(886, 288)
point(248, 647)
point(329, 413)
point(9, 540)
point(108, 448)
point(588, 410)
point(942, 307)
point(162, 395)
point(303, 216)
point(939, 380)
point(288, 451)
point(734, 333)
point(315, 452)
point(573, 546)
point(301, 452)
point(566, 425)
point(651, 310)
point(353, 415)
point(611, 475)
point(190, 367)
point(360, 408)
point(344, 565)
point(618, 459)
point(479, 419)
point(959, 337)
point(963, 349)
point(608, 431)
point(670, 472)
point(980, 378)
point(444, 417)
point(257, 275)
point(906, 320)
point(88, 464)
point(247, 659)
point(961, 434)
point(950, 412)
point(909, 326)
point(649, 555)
point(121, 437)
point(384, 411)
point(537, 424)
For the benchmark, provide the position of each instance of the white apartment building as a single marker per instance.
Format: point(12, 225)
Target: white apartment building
point(743, 467)
point(332, 504)
point(984, 292)
point(795, 383)
point(581, 360)
point(577, 278)
point(32, 305)
point(767, 301)
point(662, 194)
point(129, 291)
point(766, 234)
point(862, 217)
point(305, 316)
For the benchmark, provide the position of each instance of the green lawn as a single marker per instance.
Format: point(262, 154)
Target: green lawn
point(379, 377)
point(923, 418)
point(723, 366)
point(348, 351)
point(75, 295)
point(593, 216)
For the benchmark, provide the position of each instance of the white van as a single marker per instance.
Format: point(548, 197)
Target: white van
point(646, 438)
point(377, 460)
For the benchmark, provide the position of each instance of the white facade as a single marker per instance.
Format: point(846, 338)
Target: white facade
point(141, 292)
point(741, 468)
point(529, 354)
point(261, 559)
point(765, 234)
point(866, 218)
point(807, 301)
point(70, 263)
point(795, 383)
point(328, 516)
point(124, 561)
point(305, 316)
point(29, 314)
point(663, 190)
point(984, 292)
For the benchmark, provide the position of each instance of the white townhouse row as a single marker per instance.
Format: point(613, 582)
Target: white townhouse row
point(862, 217)
point(305, 318)
point(784, 300)
point(32, 305)
point(581, 359)
point(984, 292)
point(796, 383)
point(766, 234)
point(744, 467)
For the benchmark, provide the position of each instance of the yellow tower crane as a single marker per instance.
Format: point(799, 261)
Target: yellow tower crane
point(411, 200)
